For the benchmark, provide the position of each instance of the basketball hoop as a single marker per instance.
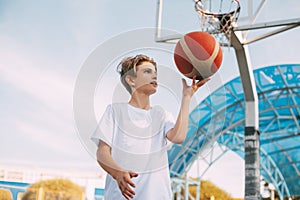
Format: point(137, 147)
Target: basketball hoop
point(218, 17)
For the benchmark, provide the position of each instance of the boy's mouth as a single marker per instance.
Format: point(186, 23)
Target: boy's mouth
point(154, 83)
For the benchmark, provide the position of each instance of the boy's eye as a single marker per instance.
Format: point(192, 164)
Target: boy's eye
point(149, 71)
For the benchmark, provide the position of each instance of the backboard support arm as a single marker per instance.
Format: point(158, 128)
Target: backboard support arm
point(252, 142)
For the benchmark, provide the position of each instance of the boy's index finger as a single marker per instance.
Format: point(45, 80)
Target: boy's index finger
point(130, 182)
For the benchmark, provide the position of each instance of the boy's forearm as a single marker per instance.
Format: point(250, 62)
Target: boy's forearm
point(109, 169)
point(107, 163)
point(178, 133)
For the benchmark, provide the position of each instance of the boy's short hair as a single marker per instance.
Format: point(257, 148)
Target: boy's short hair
point(128, 66)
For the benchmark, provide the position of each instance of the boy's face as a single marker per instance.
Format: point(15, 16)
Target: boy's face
point(146, 78)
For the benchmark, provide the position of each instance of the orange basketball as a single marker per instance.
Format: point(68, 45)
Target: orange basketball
point(198, 53)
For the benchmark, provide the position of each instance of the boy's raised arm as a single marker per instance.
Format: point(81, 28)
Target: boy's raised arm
point(178, 133)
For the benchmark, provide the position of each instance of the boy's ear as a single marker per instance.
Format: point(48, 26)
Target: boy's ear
point(130, 81)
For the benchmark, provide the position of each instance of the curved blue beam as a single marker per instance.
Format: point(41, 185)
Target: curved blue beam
point(222, 113)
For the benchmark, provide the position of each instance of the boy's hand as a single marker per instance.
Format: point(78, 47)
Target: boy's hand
point(124, 181)
point(190, 90)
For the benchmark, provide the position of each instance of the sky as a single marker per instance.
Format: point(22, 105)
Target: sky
point(46, 46)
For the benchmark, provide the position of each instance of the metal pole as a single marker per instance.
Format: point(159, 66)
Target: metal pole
point(186, 187)
point(158, 19)
point(198, 188)
point(252, 144)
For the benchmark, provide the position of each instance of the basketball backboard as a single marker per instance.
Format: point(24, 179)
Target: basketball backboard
point(257, 19)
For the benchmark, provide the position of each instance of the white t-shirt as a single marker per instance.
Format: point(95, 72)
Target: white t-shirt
point(138, 143)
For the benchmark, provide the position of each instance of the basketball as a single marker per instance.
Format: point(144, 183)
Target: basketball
point(198, 54)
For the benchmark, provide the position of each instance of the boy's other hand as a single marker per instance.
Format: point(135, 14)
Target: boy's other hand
point(125, 183)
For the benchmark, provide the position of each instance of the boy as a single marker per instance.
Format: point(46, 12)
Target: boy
point(132, 137)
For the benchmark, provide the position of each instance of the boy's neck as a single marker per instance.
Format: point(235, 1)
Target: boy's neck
point(140, 101)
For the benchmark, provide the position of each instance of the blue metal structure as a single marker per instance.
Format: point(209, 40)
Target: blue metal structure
point(16, 188)
point(221, 118)
point(19, 188)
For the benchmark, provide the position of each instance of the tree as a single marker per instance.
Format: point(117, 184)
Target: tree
point(61, 189)
point(5, 194)
point(209, 190)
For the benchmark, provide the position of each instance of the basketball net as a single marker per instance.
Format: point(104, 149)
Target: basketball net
point(218, 17)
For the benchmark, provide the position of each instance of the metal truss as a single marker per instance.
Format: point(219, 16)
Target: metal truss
point(179, 185)
point(216, 124)
point(274, 174)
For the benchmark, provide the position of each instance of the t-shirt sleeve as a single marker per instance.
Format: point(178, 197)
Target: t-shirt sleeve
point(105, 128)
point(169, 122)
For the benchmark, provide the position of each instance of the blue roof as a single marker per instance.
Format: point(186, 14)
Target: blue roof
point(220, 117)
point(99, 192)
